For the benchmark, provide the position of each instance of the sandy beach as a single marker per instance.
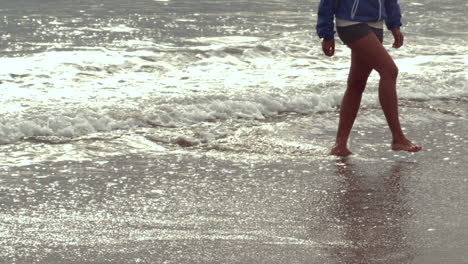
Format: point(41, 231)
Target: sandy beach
point(220, 206)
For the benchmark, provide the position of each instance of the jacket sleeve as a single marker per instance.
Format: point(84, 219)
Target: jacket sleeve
point(393, 11)
point(325, 17)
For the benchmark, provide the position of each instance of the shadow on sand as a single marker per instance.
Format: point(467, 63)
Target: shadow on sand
point(364, 218)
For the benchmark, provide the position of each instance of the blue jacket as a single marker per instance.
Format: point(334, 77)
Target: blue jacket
point(356, 10)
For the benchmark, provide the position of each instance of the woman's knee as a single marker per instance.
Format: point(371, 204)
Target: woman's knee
point(357, 84)
point(357, 79)
point(389, 72)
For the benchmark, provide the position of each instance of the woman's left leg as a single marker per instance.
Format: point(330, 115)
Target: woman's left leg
point(372, 53)
point(368, 54)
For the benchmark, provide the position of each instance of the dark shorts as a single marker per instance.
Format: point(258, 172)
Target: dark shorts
point(352, 33)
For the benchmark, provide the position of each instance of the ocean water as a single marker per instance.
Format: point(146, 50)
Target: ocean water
point(121, 121)
point(149, 73)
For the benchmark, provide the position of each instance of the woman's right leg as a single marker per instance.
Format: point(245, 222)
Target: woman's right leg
point(358, 74)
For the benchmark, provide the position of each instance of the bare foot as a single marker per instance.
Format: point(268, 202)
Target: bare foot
point(339, 150)
point(405, 145)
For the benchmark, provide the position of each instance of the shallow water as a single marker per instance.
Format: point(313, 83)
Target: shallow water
point(264, 201)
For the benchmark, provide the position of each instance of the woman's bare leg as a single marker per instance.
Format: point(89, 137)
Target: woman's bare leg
point(357, 79)
point(370, 54)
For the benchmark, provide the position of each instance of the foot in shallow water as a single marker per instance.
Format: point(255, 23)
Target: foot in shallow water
point(339, 150)
point(405, 145)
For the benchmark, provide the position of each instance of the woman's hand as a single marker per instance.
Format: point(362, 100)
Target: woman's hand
point(328, 47)
point(398, 38)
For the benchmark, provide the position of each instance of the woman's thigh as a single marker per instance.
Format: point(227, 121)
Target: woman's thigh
point(359, 72)
point(370, 52)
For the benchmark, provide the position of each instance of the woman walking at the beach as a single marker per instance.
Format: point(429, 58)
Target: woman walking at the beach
point(359, 24)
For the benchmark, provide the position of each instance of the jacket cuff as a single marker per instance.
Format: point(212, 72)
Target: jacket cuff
point(393, 25)
point(328, 36)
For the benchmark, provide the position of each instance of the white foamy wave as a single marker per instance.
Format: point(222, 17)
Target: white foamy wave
point(63, 125)
point(84, 122)
point(257, 108)
point(433, 71)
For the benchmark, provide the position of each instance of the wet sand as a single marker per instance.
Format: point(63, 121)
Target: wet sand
point(214, 206)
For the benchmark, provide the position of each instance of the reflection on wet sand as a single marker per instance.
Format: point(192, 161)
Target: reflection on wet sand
point(367, 214)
